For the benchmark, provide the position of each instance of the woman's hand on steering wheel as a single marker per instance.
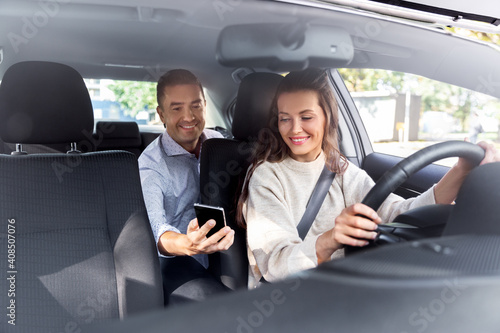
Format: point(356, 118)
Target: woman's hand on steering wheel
point(355, 226)
point(447, 189)
point(398, 174)
point(491, 154)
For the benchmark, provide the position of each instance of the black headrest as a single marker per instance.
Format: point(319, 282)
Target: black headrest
point(116, 133)
point(44, 102)
point(477, 209)
point(253, 103)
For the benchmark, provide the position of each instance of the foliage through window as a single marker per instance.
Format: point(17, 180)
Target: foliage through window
point(403, 112)
point(133, 101)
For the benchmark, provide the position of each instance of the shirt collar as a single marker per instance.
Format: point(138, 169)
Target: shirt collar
point(172, 148)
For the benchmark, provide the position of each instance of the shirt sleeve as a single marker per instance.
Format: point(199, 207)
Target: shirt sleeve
point(357, 183)
point(272, 233)
point(395, 205)
point(154, 190)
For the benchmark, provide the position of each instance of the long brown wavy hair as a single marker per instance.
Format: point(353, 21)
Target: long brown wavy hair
point(270, 146)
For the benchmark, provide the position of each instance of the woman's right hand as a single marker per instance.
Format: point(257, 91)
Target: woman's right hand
point(354, 226)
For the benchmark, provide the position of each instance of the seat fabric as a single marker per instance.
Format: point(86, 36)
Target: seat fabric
point(223, 165)
point(121, 135)
point(85, 251)
point(80, 241)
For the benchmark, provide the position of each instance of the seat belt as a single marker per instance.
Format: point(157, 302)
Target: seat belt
point(318, 195)
point(315, 201)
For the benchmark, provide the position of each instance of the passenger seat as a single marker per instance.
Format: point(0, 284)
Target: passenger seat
point(79, 237)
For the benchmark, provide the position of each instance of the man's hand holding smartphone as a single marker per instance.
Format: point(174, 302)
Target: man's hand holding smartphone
point(208, 232)
point(211, 235)
point(205, 213)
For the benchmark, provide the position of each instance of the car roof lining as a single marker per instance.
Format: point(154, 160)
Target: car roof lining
point(97, 44)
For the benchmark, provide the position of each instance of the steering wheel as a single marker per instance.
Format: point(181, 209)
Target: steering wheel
point(398, 174)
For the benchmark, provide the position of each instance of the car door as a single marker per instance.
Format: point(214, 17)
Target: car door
point(358, 147)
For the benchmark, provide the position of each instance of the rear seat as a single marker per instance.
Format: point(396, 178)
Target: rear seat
point(148, 137)
point(109, 135)
point(118, 135)
point(8, 148)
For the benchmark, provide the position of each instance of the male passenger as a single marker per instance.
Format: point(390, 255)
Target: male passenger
point(169, 169)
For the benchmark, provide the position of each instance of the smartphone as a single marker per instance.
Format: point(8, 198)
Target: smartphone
point(206, 212)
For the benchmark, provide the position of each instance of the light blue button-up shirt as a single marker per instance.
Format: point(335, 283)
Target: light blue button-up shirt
point(170, 178)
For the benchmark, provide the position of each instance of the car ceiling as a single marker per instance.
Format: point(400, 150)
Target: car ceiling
point(139, 40)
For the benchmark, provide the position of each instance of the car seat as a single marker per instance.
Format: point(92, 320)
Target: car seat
point(79, 242)
point(223, 165)
point(122, 135)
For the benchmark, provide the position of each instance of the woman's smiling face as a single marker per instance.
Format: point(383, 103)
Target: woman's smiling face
point(301, 123)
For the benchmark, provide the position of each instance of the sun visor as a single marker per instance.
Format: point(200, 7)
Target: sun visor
point(284, 47)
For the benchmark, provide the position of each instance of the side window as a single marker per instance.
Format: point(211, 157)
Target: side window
point(123, 100)
point(403, 113)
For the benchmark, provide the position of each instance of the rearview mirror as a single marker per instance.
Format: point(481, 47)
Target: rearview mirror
point(284, 47)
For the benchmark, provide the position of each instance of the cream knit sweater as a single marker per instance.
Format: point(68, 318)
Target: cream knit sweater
point(278, 194)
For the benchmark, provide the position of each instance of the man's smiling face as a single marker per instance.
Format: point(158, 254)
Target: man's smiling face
point(183, 113)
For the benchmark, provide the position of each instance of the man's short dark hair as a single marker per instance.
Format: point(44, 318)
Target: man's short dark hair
point(175, 77)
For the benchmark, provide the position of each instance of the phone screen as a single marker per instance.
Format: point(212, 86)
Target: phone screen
point(206, 212)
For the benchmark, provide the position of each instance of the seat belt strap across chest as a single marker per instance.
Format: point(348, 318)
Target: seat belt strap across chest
point(315, 201)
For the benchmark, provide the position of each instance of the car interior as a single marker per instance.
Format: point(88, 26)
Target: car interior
point(223, 166)
point(82, 227)
point(85, 258)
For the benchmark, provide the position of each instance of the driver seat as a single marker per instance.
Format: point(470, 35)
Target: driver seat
point(223, 166)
